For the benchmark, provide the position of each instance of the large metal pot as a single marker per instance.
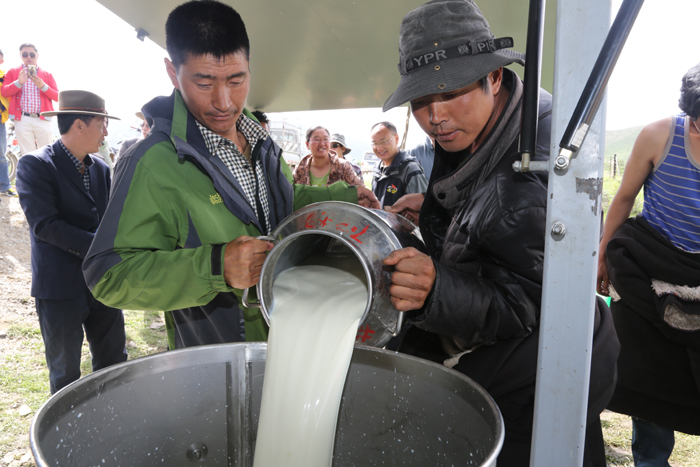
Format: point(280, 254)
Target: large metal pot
point(335, 228)
point(200, 406)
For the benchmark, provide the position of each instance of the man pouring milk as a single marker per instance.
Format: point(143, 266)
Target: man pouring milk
point(474, 300)
point(179, 232)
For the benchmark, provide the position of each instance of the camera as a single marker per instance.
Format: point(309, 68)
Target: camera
point(32, 70)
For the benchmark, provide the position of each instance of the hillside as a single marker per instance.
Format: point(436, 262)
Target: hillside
point(620, 142)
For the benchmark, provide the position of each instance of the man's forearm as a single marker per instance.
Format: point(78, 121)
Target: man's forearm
point(154, 280)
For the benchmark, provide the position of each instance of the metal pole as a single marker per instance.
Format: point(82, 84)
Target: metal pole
point(531, 93)
point(573, 229)
point(598, 80)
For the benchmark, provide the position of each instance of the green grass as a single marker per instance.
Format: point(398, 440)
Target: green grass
point(617, 432)
point(610, 187)
point(686, 451)
point(148, 340)
point(24, 380)
point(24, 377)
point(620, 142)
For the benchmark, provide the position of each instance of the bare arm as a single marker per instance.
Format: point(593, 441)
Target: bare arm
point(646, 153)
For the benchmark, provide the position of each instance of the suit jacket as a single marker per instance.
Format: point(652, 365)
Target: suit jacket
point(63, 217)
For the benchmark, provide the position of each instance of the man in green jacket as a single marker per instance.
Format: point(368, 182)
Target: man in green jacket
point(188, 201)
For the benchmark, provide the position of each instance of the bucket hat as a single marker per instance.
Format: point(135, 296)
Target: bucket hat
point(338, 138)
point(446, 45)
point(79, 102)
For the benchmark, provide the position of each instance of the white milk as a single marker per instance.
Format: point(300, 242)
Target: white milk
point(313, 323)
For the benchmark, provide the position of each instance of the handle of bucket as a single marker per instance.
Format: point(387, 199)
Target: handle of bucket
point(244, 298)
point(246, 303)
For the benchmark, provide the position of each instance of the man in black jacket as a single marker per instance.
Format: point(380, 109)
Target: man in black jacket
point(398, 173)
point(474, 301)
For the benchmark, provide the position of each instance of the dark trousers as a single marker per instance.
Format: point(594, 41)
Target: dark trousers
point(652, 444)
point(62, 323)
point(507, 371)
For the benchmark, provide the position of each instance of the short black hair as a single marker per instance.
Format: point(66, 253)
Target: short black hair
point(310, 132)
point(390, 126)
point(689, 101)
point(484, 83)
point(65, 121)
point(260, 115)
point(27, 44)
point(205, 27)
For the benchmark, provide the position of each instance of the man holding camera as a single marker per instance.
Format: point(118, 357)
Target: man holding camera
point(31, 91)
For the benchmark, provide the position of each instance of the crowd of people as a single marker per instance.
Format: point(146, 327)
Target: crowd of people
point(177, 231)
point(398, 172)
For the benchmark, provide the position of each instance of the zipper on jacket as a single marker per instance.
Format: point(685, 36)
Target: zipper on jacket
point(258, 204)
point(272, 193)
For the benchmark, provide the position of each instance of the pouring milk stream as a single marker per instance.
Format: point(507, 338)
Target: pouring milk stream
point(313, 323)
point(323, 278)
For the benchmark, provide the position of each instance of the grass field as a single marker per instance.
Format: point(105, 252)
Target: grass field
point(24, 378)
point(610, 187)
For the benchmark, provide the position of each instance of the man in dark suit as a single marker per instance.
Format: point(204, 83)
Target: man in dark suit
point(64, 193)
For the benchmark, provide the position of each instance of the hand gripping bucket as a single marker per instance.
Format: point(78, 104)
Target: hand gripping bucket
point(335, 228)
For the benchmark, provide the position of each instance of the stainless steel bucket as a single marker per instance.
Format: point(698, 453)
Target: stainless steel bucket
point(336, 228)
point(200, 406)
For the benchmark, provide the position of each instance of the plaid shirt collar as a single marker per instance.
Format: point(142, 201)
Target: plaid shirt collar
point(251, 178)
point(252, 132)
point(87, 162)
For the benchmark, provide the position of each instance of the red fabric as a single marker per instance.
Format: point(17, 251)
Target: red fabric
point(14, 93)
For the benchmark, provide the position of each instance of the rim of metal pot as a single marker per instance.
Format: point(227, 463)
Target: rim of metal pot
point(255, 348)
point(292, 237)
point(500, 434)
point(258, 348)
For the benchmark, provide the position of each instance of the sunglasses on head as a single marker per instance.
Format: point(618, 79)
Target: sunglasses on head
point(28, 54)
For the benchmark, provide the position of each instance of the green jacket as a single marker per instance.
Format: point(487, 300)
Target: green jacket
point(172, 209)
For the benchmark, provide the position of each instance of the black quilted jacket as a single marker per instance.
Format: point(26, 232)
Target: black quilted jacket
point(488, 249)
